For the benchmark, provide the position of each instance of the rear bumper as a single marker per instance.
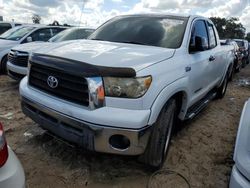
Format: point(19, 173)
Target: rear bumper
point(16, 72)
point(88, 135)
point(12, 174)
point(238, 180)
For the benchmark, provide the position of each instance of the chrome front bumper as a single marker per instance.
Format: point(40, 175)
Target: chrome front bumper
point(17, 69)
point(16, 72)
point(88, 135)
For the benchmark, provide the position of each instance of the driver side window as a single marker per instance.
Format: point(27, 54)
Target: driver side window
point(199, 37)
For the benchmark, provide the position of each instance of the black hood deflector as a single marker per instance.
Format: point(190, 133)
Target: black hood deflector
point(80, 68)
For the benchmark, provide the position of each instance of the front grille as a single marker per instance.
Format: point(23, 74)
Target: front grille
point(18, 58)
point(70, 87)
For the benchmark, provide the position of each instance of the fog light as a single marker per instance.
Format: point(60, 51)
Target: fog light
point(119, 142)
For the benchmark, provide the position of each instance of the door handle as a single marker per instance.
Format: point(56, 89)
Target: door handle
point(187, 69)
point(211, 58)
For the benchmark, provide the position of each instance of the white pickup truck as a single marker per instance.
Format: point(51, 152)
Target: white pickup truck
point(123, 90)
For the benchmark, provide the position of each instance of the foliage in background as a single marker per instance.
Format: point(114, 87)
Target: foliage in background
point(229, 28)
point(248, 37)
point(36, 19)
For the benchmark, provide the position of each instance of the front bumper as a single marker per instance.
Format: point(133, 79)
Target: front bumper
point(12, 174)
point(88, 135)
point(16, 72)
point(238, 180)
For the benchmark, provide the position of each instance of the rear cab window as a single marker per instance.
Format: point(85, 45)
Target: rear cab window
point(212, 36)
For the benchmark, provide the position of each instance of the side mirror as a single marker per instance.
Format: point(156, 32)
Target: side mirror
point(198, 44)
point(29, 39)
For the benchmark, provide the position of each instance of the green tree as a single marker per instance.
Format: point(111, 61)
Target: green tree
point(36, 19)
point(229, 28)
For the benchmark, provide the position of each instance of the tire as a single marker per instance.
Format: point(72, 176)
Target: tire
point(3, 65)
point(158, 145)
point(221, 91)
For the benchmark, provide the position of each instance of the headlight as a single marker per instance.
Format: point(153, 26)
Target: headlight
point(126, 87)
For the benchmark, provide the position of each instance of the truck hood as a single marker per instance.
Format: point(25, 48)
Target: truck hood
point(103, 53)
point(30, 47)
point(6, 44)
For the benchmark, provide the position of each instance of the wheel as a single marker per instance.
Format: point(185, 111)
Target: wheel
point(158, 145)
point(3, 65)
point(221, 91)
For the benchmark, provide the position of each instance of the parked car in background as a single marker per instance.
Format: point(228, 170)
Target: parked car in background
point(240, 176)
point(249, 52)
point(11, 170)
point(73, 33)
point(123, 90)
point(243, 45)
point(18, 56)
point(5, 26)
point(238, 54)
point(21, 35)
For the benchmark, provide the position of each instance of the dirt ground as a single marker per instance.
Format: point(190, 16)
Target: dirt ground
point(201, 151)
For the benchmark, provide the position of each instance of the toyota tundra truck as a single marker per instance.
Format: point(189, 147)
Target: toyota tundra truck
point(123, 90)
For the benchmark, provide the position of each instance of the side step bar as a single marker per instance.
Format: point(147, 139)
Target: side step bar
point(199, 106)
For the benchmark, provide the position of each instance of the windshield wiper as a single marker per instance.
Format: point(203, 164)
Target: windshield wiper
point(96, 39)
point(132, 42)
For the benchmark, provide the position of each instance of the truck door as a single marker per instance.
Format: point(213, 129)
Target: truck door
point(199, 75)
point(216, 57)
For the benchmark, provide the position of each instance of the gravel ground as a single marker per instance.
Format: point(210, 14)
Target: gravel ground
point(201, 150)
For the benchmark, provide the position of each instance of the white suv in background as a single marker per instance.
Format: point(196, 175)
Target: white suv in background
point(17, 65)
point(24, 34)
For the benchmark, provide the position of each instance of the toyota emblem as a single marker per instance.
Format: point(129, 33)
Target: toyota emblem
point(52, 82)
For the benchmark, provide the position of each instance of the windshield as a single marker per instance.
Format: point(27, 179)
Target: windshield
point(158, 31)
point(16, 33)
point(72, 34)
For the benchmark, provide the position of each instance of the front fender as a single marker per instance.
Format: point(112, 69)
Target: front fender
point(169, 91)
point(3, 53)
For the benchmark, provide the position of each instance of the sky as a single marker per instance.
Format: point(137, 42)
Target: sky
point(94, 12)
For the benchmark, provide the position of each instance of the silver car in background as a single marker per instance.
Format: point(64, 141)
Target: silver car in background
point(240, 176)
point(11, 170)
